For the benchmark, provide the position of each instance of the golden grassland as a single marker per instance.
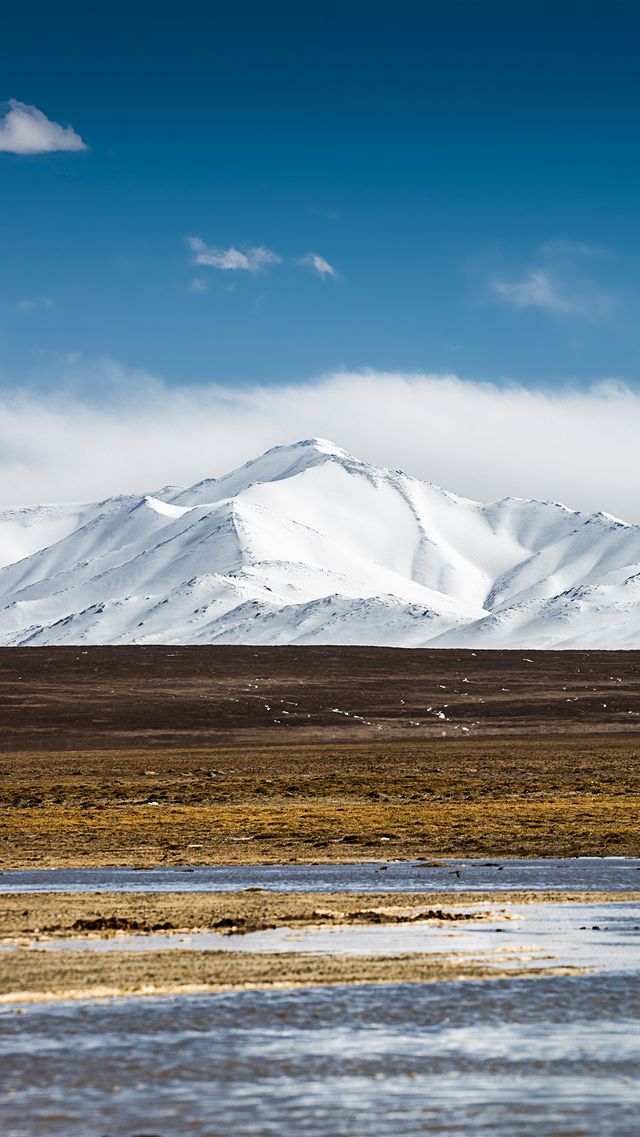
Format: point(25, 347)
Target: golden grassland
point(554, 797)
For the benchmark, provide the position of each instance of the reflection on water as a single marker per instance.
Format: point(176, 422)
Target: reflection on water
point(555, 1057)
point(578, 873)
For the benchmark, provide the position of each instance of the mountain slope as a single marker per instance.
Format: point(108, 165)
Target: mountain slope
point(307, 544)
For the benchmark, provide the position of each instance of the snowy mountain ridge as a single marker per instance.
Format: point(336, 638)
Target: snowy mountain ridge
point(308, 544)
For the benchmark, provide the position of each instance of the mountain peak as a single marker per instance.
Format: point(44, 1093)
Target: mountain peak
point(308, 544)
point(280, 462)
point(322, 445)
point(303, 452)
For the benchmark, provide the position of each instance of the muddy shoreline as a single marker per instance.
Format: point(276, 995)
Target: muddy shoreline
point(25, 916)
point(29, 973)
point(42, 976)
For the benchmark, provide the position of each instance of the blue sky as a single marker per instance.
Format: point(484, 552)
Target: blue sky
point(467, 172)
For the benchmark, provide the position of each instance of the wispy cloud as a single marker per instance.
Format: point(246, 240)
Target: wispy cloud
point(254, 259)
point(198, 285)
point(318, 265)
point(557, 282)
point(35, 303)
point(562, 248)
point(26, 130)
point(536, 290)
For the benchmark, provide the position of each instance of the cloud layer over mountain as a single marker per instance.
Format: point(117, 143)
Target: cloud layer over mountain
point(480, 439)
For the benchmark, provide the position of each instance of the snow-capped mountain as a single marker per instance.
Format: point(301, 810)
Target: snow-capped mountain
point(307, 544)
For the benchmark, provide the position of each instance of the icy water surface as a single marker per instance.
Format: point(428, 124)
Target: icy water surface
point(579, 873)
point(556, 1057)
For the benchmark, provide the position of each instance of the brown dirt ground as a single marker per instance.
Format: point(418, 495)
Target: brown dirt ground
point(73, 698)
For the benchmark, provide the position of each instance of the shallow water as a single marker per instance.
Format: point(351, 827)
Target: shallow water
point(556, 1057)
point(537, 1057)
point(579, 873)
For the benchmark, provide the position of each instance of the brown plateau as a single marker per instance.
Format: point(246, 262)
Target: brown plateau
point(148, 755)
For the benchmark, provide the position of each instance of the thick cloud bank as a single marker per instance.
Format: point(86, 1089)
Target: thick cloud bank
point(481, 440)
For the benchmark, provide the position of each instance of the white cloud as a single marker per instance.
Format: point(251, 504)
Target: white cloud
point(478, 439)
point(26, 130)
point(319, 265)
point(253, 260)
point(198, 285)
point(537, 290)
